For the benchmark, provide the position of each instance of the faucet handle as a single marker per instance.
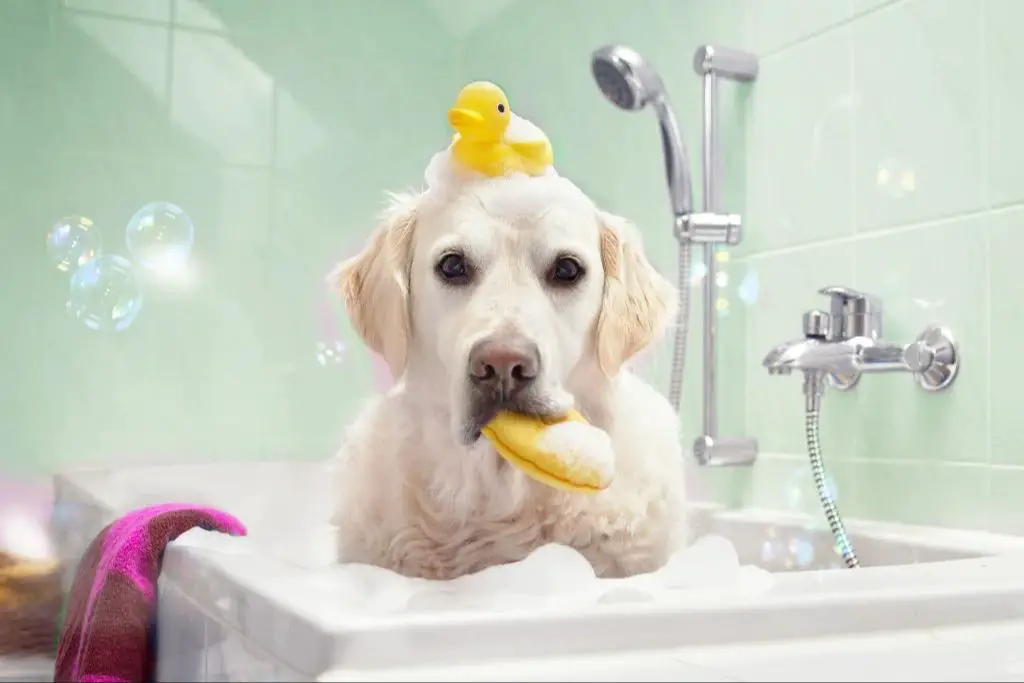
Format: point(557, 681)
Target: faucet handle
point(816, 324)
point(853, 313)
point(844, 296)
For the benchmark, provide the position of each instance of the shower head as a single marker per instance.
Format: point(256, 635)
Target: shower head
point(629, 82)
point(625, 78)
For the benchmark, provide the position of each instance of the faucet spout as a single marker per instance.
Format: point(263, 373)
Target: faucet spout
point(849, 356)
point(809, 354)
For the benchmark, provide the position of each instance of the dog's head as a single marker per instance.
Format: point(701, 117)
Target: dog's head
point(502, 296)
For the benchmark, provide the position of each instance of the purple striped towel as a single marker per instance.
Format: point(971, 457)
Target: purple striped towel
point(109, 623)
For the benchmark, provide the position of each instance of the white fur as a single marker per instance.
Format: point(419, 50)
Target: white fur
point(410, 495)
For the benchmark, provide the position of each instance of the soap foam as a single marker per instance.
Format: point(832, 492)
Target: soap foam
point(303, 573)
point(581, 447)
point(557, 576)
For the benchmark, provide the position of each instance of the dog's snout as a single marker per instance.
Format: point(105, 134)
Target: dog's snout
point(505, 367)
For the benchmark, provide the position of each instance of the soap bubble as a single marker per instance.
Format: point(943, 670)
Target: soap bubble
point(771, 549)
point(160, 235)
point(802, 493)
point(788, 548)
point(802, 551)
point(72, 242)
point(895, 178)
point(105, 293)
point(749, 288)
point(330, 353)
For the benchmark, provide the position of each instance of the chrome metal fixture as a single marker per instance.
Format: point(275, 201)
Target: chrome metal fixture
point(846, 342)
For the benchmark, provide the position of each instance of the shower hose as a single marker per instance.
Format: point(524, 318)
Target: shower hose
point(812, 429)
point(812, 423)
point(675, 388)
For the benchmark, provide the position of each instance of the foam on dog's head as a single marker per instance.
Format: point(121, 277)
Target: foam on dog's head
point(444, 175)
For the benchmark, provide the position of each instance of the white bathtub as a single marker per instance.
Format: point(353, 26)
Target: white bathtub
point(938, 602)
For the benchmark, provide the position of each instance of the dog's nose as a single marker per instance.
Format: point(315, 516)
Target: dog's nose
point(504, 366)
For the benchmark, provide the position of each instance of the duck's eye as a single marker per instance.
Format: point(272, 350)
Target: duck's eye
point(453, 269)
point(566, 271)
point(501, 108)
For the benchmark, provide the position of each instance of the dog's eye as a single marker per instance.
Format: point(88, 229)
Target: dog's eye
point(453, 269)
point(566, 271)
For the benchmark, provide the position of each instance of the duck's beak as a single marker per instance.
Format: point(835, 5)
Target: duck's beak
point(464, 118)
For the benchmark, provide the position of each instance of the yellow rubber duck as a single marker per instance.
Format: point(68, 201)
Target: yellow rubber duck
point(491, 139)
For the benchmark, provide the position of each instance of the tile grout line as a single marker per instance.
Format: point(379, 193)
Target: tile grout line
point(854, 16)
point(982, 212)
point(924, 462)
point(987, 240)
point(851, 55)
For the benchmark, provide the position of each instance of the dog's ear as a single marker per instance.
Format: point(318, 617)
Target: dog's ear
point(637, 302)
point(375, 283)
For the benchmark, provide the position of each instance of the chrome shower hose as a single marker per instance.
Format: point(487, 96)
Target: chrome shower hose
point(812, 428)
point(675, 387)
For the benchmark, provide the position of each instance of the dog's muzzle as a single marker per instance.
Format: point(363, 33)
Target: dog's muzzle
point(502, 375)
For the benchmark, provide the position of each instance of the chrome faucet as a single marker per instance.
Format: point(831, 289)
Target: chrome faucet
point(846, 342)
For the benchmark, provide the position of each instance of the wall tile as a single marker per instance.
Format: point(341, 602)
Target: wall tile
point(1004, 63)
point(1006, 512)
point(930, 275)
point(109, 86)
point(799, 147)
point(923, 493)
point(921, 111)
point(773, 25)
point(1006, 247)
point(787, 483)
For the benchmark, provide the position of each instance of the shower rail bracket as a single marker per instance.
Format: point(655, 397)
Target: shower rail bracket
point(710, 228)
point(725, 62)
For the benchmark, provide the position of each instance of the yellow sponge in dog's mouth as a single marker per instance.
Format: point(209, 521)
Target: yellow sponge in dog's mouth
point(567, 453)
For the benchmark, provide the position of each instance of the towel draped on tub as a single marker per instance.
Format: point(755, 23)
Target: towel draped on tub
point(109, 626)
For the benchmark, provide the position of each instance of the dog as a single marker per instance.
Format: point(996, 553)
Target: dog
point(513, 294)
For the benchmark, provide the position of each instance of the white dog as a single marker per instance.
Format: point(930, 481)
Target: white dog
point(511, 293)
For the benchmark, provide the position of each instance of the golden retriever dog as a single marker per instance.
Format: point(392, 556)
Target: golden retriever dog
point(513, 293)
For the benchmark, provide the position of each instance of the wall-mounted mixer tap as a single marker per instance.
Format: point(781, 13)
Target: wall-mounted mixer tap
point(846, 342)
point(841, 344)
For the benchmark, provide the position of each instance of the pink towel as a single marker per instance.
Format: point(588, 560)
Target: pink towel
point(109, 624)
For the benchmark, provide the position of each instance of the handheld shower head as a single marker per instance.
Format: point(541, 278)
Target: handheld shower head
point(624, 77)
point(629, 82)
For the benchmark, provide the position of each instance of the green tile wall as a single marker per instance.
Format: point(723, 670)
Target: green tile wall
point(880, 149)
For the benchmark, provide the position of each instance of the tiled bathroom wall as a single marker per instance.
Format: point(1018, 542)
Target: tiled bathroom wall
point(877, 150)
point(882, 153)
point(276, 127)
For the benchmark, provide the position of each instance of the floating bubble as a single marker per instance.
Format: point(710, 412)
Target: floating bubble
point(72, 242)
point(749, 288)
point(802, 551)
point(105, 293)
point(802, 493)
point(698, 271)
point(771, 549)
point(330, 353)
point(160, 236)
point(895, 178)
point(721, 278)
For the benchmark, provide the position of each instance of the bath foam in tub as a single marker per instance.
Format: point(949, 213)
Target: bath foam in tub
point(490, 143)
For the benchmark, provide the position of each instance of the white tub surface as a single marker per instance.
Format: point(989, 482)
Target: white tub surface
point(271, 607)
